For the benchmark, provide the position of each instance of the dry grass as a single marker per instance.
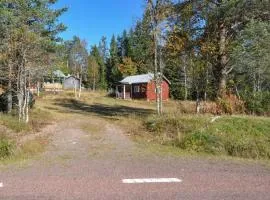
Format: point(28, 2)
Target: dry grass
point(179, 129)
point(20, 154)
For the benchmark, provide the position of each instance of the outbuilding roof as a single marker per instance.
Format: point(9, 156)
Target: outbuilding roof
point(143, 78)
point(71, 76)
point(59, 74)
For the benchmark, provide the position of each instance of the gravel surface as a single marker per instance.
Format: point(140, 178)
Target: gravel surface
point(80, 165)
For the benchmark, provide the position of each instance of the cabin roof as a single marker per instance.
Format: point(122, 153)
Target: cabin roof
point(143, 78)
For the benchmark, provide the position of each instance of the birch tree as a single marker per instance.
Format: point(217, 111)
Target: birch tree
point(78, 61)
point(159, 10)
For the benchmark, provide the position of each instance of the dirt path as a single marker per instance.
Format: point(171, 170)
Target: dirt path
point(88, 157)
point(85, 138)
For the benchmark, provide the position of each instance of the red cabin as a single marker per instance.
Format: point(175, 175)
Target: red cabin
point(141, 87)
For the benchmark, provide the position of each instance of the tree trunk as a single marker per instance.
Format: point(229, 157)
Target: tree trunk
point(9, 97)
point(75, 89)
point(94, 82)
point(206, 83)
point(185, 74)
point(157, 85)
point(184, 59)
point(20, 92)
point(38, 88)
point(24, 98)
point(80, 90)
point(27, 100)
point(223, 59)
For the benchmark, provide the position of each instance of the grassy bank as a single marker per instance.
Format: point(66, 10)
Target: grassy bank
point(239, 136)
point(12, 131)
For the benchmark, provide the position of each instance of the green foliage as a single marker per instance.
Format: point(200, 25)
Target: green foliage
point(245, 137)
point(202, 142)
point(95, 53)
point(258, 103)
point(92, 73)
point(127, 67)
point(6, 148)
point(78, 57)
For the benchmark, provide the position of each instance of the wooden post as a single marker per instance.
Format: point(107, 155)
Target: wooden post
point(124, 90)
point(116, 92)
point(131, 91)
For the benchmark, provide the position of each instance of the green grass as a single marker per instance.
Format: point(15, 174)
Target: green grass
point(6, 148)
point(239, 136)
point(12, 123)
point(22, 153)
point(38, 119)
point(12, 130)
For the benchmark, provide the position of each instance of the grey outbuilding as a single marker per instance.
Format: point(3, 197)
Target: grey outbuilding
point(71, 82)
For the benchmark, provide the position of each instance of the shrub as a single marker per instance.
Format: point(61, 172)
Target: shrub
point(5, 148)
point(231, 104)
point(202, 142)
point(258, 103)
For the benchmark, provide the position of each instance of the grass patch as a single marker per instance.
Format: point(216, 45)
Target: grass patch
point(6, 148)
point(38, 119)
point(239, 136)
point(13, 130)
point(25, 151)
point(12, 123)
point(21, 154)
point(33, 147)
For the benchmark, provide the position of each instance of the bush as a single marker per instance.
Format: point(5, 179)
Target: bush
point(202, 142)
point(231, 104)
point(5, 148)
point(258, 104)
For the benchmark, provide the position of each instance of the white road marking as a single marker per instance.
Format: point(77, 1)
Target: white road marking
point(152, 180)
point(1, 185)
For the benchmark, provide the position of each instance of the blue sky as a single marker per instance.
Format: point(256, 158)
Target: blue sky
point(91, 19)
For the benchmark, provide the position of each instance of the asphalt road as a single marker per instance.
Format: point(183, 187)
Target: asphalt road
point(83, 166)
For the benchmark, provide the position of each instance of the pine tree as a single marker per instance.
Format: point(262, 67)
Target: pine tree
point(101, 83)
point(113, 73)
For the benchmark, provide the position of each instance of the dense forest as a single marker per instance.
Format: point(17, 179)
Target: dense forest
point(210, 50)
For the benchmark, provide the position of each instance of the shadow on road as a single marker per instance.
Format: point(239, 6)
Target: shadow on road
point(102, 110)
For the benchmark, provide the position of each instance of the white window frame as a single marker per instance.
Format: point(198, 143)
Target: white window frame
point(136, 89)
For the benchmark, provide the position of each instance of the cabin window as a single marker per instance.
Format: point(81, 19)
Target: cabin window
point(137, 89)
point(143, 88)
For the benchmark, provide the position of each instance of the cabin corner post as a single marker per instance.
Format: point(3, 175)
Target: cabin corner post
point(131, 91)
point(124, 91)
point(116, 92)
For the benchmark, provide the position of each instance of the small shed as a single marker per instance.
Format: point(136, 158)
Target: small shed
point(142, 87)
point(71, 82)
